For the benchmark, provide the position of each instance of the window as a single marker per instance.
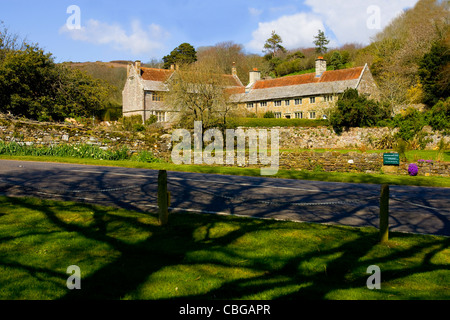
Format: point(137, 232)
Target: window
point(298, 101)
point(312, 114)
point(287, 102)
point(157, 96)
point(278, 103)
point(250, 105)
point(299, 115)
point(161, 115)
point(312, 100)
point(264, 104)
point(278, 115)
point(328, 98)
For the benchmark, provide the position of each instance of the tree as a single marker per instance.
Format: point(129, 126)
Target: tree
point(321, 42)
point(34, 86)
point(199, 93)
point(181, 55)
point(336, 61)
point(273, 45)
point(432, 71)
point(353, 110)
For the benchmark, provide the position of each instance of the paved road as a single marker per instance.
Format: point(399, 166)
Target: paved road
point(413, 209)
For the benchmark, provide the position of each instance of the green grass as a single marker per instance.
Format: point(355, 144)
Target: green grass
point(411, 155)
point(127, 255)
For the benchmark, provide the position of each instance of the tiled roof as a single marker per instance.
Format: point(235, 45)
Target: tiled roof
point(327, 76)
point(153, 74)
point(331, 82)
point(154, 79)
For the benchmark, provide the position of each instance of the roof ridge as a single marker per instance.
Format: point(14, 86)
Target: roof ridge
point(309, 78)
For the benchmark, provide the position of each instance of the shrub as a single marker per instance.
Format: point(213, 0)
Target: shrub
point(353, 110)
point(151, 120)
point(269, 115)
point(146, 156)
point(413, 170)
point(409, 124)
point(132, 123)
point(439, 116)
point(401, 147)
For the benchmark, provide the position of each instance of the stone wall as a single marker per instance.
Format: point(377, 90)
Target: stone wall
point(158, 142)
point(326, 138)
point(332, 161)
point(46, 134)
point(357, 162)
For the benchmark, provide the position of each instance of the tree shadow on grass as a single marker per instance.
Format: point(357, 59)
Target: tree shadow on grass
point(343, 266)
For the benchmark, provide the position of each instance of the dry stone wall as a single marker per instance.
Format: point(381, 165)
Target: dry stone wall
point(326, 138)
point(44, 134)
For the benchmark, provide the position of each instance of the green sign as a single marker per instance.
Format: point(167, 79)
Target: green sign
point(391, 159)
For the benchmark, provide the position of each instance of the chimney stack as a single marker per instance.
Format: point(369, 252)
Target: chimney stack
point(255, 75)
point(138, 67)
point(321, 66)
point(234, 70)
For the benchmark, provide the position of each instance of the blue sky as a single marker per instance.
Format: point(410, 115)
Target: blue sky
point(145, 30)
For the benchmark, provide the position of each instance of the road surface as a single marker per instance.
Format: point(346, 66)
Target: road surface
point(412, 209)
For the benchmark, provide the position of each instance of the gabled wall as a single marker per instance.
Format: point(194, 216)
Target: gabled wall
point(368, 86)
point(133, 94)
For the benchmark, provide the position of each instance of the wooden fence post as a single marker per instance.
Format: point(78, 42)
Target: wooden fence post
point(384, 213)
point(163, 198)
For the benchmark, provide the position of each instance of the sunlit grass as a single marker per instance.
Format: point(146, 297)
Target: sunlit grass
point(127, 255)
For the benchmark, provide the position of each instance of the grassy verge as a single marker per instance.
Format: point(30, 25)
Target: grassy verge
point(283, 174)
point(127, 255)
point(411, 155)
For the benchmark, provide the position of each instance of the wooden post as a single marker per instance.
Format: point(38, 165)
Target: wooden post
point(163, 198)
point(384, 213)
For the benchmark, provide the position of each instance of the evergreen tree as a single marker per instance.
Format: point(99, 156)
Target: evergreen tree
point(336, 61)
point(273, 45)
point(184, 54)
point(432, 73)
point(321, 42)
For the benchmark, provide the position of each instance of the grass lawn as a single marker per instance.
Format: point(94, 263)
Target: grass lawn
point(283, 174)
point(411, 155)
point(127, 255)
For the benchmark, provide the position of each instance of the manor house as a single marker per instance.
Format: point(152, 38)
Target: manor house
point(305, 96)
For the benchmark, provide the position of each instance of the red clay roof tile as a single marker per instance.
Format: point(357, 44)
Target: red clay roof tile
point(155, 74)
point(327, 76)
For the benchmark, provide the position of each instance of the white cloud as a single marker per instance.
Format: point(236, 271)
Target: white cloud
point(255, 12)
point(139, 41)
point(349, 19)
point(296, 31)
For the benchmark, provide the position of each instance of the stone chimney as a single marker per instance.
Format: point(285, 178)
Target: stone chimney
point(137, 65)
point(234, 70)
point(255, 75)
point(321, 66)
point(130, 65)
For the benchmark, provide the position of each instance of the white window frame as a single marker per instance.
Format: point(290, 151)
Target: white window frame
point(298, 115)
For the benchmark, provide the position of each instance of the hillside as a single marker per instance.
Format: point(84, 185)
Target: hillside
point(113, 72)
